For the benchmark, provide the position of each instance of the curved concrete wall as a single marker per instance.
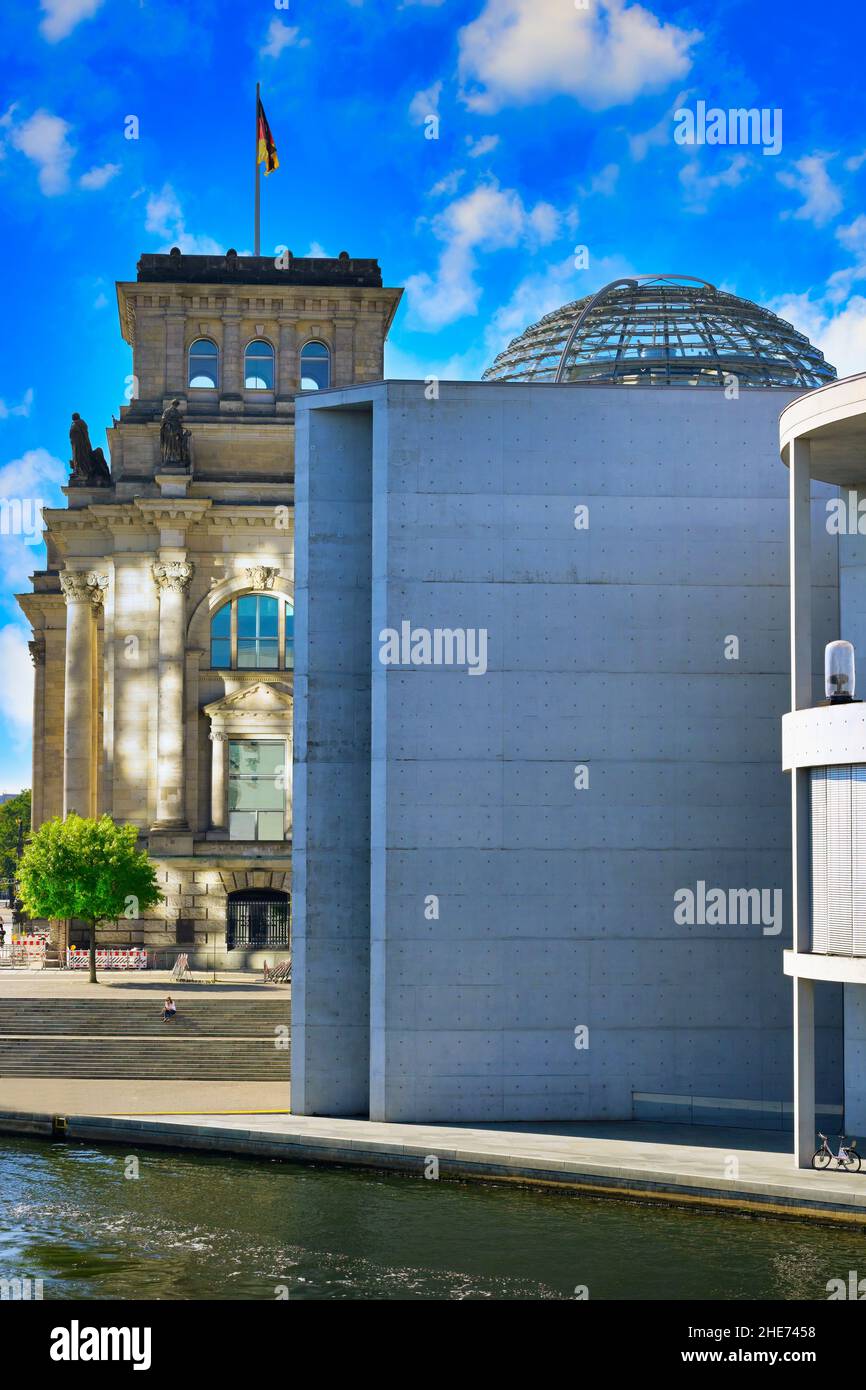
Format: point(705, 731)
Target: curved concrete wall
point(824, 735)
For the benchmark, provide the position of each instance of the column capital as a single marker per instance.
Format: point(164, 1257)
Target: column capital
point(173, 575)
point(84, 586)
point(217, 736)
point(37, 651)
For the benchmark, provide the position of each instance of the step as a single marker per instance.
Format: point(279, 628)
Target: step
point(170, 1059)
point(77, 1017)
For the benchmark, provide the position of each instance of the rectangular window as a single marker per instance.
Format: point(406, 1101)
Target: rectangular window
point(257, 790)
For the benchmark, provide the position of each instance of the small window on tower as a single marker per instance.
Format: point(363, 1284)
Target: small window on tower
point(203, 362)
point(315, 367)
point(259, 366)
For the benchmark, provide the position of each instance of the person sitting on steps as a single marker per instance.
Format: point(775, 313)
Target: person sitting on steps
point(169, 1009)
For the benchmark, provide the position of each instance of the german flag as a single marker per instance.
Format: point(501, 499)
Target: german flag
point(267, 151)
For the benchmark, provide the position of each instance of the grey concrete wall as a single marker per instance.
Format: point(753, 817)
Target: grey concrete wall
point(606, 650)
point(855, 1060)
point(852, 626)
point(331, 844)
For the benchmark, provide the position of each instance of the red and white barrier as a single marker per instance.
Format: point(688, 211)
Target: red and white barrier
point(31, 946)
point(109, 959)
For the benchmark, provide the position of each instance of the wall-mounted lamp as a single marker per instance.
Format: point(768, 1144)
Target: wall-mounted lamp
point(839, 672)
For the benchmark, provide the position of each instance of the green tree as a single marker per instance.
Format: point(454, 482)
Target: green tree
point(16, 809)
point(88, 869)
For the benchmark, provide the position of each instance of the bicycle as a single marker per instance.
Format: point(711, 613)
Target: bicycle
point(846, 1158)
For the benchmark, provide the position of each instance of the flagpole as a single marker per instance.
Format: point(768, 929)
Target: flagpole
point(258, 180)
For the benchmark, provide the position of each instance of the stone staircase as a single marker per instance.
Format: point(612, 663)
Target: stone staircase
point(209, 1039)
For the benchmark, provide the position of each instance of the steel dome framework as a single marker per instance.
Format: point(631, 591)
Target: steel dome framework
point(663, 330)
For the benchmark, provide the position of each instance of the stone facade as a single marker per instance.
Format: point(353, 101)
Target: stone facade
point(130, 716)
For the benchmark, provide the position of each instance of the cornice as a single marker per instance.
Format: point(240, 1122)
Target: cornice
point(187, 509)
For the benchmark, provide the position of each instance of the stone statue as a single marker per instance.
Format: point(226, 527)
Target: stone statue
point(173, 438)
point(87, 465)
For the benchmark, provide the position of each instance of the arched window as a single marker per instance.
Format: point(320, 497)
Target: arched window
point(255, 632)
point(204, 363)
point(315, 367)
point(259, 366)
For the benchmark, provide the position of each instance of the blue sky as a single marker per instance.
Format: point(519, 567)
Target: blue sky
point(554, 125)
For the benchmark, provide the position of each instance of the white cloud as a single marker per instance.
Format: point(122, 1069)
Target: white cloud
point(27, 485)
point(43, 139)
point(402, 364)
point(425, 103)
point(164, 217)
point(279, 36)
point(603, 183)
point(854, 235)
point(855, 160)
point(535, 295)
point(317, 251)
point(99, 176)
point(841, 282)
point(822, 200)
point(16, 702)
point(487, 219)
point(522, 51)
point(447, 185)
point(659, 134)
point(100, 301)
point(477, 148)
point(699, 187)
point(61, 16)
point(22, 408)
point(16, 706)
point(841, 335)
point(831, 315)
point(32, 475)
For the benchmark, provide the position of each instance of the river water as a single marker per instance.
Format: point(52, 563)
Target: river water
point(204, 1227)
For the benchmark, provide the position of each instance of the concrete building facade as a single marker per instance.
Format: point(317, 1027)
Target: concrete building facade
point(163, 625)
point(541, 844)
point(823, 443)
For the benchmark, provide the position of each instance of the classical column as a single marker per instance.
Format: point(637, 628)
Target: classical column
point(231, 367)
point(84, 592)
point(343, 366)
point(172, 580)
point(37, 654)
point(176, 377)
point(219, 749)
point(288, 379)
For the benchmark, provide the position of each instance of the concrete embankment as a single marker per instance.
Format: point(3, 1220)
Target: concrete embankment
point(728, 1170)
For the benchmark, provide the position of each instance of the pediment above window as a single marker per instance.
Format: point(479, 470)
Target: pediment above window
point(261, 698)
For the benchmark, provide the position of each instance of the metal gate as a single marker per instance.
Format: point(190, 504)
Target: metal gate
point(256, 918)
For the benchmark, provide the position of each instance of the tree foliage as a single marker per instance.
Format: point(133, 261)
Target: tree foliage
point(11, 812)
point(89, 869)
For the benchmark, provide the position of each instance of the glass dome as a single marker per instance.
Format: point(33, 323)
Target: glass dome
point(663, 330)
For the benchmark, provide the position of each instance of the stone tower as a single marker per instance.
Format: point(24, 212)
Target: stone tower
point(163, 625)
